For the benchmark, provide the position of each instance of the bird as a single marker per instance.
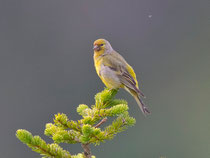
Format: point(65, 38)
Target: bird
point(115, 72)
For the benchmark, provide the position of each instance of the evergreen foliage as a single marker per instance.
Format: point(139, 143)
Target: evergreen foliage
point(85, 131)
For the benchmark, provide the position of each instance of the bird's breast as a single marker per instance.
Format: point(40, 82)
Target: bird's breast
point(97, 63)
point(109, 77)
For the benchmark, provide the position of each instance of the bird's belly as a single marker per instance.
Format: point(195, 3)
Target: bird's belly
point(109, 77)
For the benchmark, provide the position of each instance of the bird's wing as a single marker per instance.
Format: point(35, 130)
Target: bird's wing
point(123, 70)
point(129, 80)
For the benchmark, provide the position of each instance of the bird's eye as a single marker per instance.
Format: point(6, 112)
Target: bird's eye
point(101, 44)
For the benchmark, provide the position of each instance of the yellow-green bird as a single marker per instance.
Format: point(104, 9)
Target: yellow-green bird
point(115, 72)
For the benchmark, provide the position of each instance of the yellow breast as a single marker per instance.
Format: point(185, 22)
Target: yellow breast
point(97, 63)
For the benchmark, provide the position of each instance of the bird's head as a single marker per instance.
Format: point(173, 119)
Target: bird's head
point(102, 46)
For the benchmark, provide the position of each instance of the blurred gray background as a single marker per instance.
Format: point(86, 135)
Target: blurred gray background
point(46, 66)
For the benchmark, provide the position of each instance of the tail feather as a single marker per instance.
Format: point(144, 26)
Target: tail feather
point(142, 106)
point(141, 93)
point(139, 101)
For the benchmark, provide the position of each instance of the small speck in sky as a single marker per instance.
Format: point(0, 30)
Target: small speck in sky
point(150, 16)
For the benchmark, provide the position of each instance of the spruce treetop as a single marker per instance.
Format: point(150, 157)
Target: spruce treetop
point(87, 130)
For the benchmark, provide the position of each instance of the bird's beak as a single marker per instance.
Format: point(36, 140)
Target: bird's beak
point(96, 48)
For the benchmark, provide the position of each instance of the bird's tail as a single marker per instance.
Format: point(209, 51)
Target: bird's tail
point(142, 106)
point(139, 101)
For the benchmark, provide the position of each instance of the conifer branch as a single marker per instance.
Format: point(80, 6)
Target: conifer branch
point(101, 122)
point(40, 146)
point(87, 152)
point(85, 131)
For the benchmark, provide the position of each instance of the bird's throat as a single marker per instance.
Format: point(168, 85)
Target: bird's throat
point(98, 53)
